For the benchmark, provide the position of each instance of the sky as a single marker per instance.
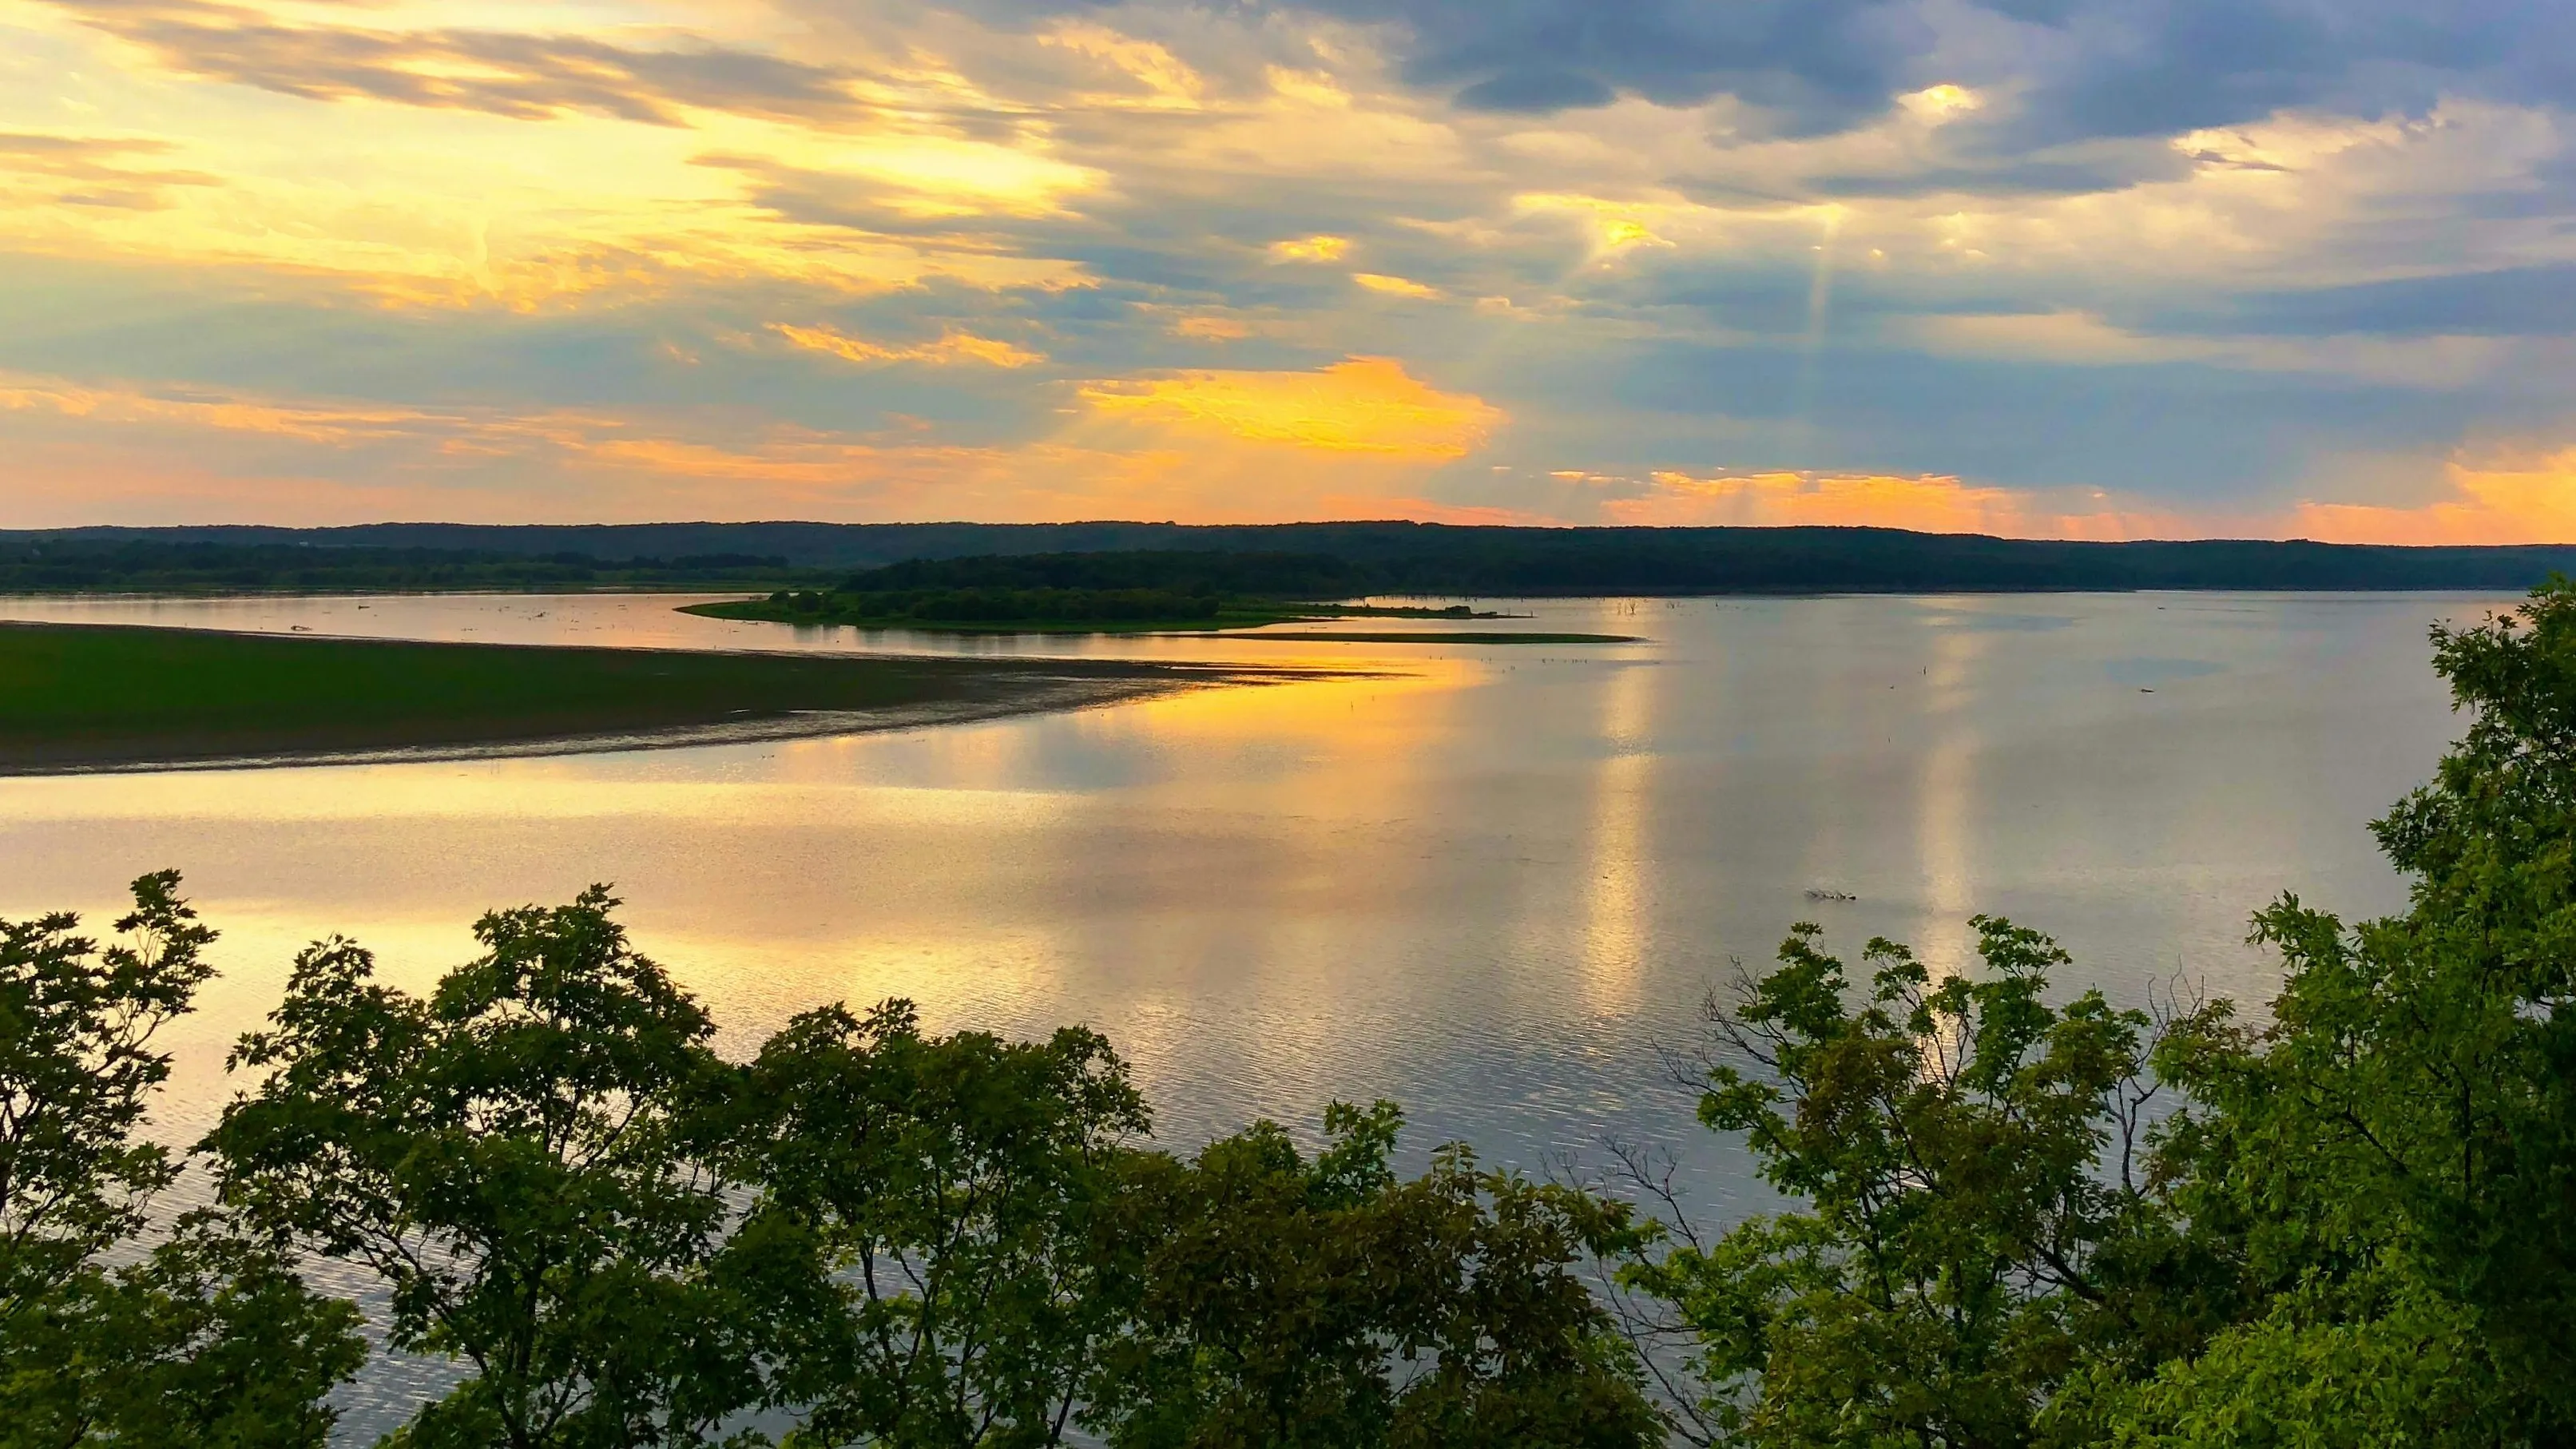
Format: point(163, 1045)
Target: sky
point(2049, 268)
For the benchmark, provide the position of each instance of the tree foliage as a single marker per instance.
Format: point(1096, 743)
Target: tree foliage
point(203, 1337)
point(953, 1199)
point(1960, 1244)
point(508, 1155)
point(871, 1235)
point(2393, 1159)
point(1311, 1301)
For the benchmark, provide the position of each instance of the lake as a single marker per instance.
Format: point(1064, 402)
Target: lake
point(1485, 882)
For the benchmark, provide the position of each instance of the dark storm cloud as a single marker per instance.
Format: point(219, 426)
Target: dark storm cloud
point(1536, 90)
point(2513, 302)
point(1819, 64)
point(2155, 67)
point(2084, 68)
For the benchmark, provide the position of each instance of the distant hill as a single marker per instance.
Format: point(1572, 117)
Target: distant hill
point(1190, 572)
point(1422, 558)
point(152, 561)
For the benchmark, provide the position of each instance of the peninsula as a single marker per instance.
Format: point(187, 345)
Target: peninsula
point(76, 696)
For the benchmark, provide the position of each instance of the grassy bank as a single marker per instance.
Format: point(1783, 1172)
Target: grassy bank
point(81, 695)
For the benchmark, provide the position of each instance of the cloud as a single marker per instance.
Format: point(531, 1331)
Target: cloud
point(904, 182)
point(1816, 64)
point(2085, 339)
point(1208, 327)
point(2521, 496)
point(2152, 67)
point(1211, 448)
point(2076, 69)
point(1310, 249)
point(109, 171)
point(1541, 91)
point(953, 347)
point(1395, 286)
point(1836, 242)
point(1357, 405)
point(1160, 80)
point(199, 408)
point(521, 75)
point(1930, 504)
point(2504, 301)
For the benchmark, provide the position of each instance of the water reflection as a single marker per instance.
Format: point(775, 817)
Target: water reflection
point(1480, 882)
point(1943, 798)
point(1614, 955)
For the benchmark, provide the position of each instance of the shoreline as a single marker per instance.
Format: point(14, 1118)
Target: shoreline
point(133, 699)
point(1073, 698)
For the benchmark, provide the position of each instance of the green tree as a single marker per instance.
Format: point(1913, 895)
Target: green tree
point(509, 1155)
point(203, 1338)
point(1973, 1221)
point(2393, 1158)
point(1256, 1325)
point(1293, 1301)
point(1497, 1339)
point(954, 1201)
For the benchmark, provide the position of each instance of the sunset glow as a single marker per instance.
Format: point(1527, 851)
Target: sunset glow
point(1950, 267)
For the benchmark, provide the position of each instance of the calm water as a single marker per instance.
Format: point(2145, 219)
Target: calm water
point(1481, 882)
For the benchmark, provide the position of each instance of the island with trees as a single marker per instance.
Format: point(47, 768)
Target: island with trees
point(1137, 592)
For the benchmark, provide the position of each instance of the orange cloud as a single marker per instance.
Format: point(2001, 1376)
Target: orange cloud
point(1357, 405)
point(1207, 327)
point(952, 347)
point(1930, 503)
point(1310, 249)
point(312, 422)
point(1394, 286)
point(81, 450)
point(2526, 498)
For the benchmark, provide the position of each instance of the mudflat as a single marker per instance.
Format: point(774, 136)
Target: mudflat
point(81, 697)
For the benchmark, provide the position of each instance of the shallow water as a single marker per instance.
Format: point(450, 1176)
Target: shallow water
point(1481, 882)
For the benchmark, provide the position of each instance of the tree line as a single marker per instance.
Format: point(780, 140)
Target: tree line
point(1346, 560)
point(2018, 1218)
point(1179, 571)
point(72, 564)
point(981, 605)
point(1491, 560)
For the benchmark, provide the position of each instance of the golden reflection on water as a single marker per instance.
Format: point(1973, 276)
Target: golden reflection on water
point(1475, 881)
point(1614, 938)
point(1945, 797)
